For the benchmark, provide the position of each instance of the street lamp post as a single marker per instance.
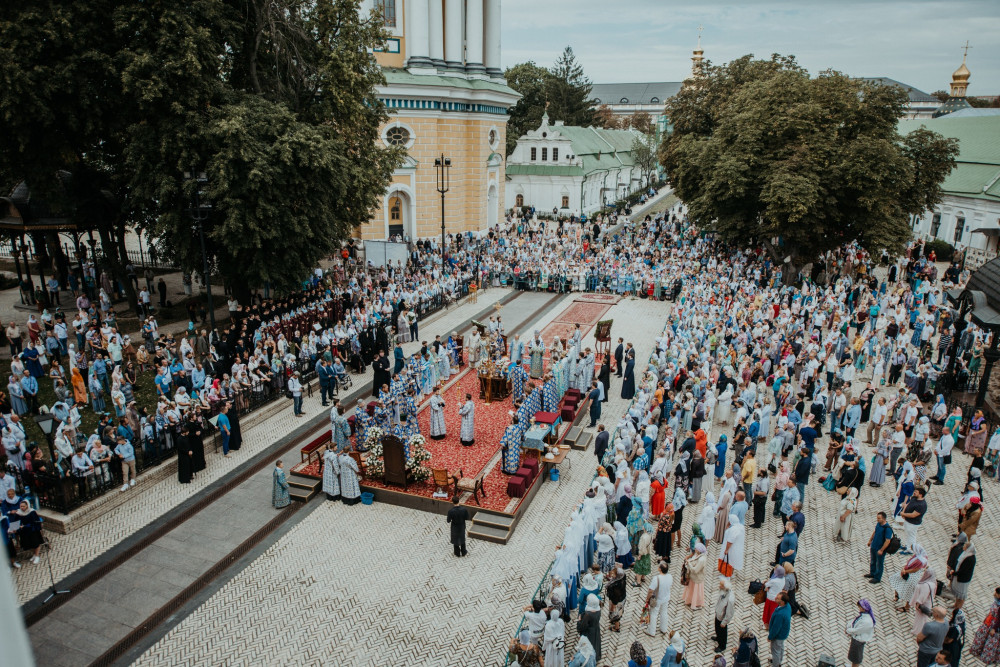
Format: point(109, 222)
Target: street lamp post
point(199, 213)
point(46, 422)
point(442, 165)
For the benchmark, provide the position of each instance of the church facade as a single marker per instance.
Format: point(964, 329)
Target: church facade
point(571, 170)
point(446, 97)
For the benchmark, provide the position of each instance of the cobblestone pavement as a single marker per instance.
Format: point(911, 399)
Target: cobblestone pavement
point(150, 501)
point(354, 585)
point(394, 565)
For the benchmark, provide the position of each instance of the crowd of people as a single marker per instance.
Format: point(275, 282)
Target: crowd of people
point(759, 396)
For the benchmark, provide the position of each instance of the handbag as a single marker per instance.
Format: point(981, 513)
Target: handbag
point(644, 616)
point(755, 587)
point(841, 490)
point(725, 567)
point(947, 459)
point(774, 495)
point(685, 577)
point(288, 393)
point(760, 596)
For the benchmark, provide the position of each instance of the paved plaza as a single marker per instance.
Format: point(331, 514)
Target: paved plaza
point(356, 585)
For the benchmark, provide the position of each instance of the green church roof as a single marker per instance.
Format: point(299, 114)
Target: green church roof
point(977, 170)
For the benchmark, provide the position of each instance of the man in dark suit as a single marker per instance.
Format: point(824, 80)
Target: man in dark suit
point(595, 404)
point(619, 355)
point(601, 442)
point(457, 516)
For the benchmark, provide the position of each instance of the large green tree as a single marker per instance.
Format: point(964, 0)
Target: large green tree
point(563, 91)
point(766, 155)
point(273, 99)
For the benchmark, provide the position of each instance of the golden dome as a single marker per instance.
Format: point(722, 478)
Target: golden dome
point(962, 73)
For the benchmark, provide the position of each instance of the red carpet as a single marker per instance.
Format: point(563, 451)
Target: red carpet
point(585, 310)
point(491, 421)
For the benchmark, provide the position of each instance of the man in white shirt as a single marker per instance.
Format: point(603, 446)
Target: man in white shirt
point(943, 453)
point(658, 598)
point(877, 421)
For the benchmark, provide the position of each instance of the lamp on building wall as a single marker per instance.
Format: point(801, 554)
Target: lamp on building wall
point(442, 167)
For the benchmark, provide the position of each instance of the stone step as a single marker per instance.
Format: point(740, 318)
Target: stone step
point(300, 494)
point(484, 518)
point(583, 440)
point(309, 483)
point(489, 533)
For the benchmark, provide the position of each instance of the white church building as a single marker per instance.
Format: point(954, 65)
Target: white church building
point(576, 170)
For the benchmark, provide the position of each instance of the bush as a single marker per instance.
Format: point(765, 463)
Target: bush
point(943, 250)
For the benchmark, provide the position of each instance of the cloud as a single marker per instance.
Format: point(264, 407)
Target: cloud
point(915, 41)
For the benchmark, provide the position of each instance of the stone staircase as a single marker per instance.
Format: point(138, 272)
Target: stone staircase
point(303, 489)
point(492, 527)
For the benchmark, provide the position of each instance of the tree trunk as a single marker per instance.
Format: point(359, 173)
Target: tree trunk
point(117, 267)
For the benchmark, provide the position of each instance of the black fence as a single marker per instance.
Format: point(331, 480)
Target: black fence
point(58, 487)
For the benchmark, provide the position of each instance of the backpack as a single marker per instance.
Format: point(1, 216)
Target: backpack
point(894, 545)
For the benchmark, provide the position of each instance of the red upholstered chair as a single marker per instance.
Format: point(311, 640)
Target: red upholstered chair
point(526, 472)
point(574, 393)
point(516, 486)
point(568, 413)
point(532, 465)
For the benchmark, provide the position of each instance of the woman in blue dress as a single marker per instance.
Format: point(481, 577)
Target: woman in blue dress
point(31, 362)
point(720, 461)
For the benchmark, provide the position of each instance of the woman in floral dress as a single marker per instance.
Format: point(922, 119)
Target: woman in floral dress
point(986, 643)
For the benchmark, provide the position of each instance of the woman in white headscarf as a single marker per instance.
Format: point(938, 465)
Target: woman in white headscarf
point(554, 640)
point(679, 501)
point(589, 625)
point(707, 516)
point(606, 548)
point(733, 543)
point(585, 655)
point(848, 506)
point(623, 547)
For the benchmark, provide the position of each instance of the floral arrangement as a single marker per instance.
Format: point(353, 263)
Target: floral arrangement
point(416, 466)
point(374, 466)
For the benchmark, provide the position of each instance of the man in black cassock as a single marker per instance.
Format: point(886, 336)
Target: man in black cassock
point(457, 516)
point(235, 434)
point(381, 372)
point(619, 355)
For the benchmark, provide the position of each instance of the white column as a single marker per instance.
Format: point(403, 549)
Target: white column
point(491, 52)
point(436, 32)
point(453, 34)
point(474, 37)
point(416, 34)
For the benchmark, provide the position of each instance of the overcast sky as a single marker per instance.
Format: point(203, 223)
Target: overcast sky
point(915, 41)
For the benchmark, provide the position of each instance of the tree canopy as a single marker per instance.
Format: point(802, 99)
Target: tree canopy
point(564, 90)
point(762, 152)
point(273, 100)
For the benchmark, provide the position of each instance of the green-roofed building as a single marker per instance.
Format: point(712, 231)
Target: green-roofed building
point(575, 170)
point(969, 213)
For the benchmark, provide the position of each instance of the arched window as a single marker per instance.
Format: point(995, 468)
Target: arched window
point(397, 136)
point(654, 100)
point(623, 100)
point(959, 227)
point(519, 201)
point(395, 209)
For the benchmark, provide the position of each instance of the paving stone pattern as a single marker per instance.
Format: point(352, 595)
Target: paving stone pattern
point(357, 585)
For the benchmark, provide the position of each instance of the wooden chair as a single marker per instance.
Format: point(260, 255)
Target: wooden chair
point(473, 484)
point(443, 481)
point(359, 459)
